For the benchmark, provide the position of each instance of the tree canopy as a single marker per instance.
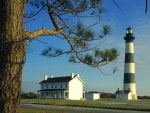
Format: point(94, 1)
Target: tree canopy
point(79, 37)
point(15, 14)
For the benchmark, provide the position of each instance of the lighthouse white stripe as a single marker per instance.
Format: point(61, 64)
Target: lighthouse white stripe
point(129, 47)
point(129, 68)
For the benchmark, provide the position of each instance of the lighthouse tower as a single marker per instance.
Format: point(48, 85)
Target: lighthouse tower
point(129, 66)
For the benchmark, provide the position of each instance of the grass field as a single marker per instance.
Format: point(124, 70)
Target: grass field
point(31, 110)
point(108, 104)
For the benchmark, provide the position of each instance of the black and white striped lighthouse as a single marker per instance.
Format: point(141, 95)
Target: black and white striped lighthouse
point(129, 66)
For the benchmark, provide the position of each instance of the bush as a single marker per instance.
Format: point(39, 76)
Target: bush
point(143, 97)
point(107, 95)
point(29, 95)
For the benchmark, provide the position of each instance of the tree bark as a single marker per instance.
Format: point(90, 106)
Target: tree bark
point(12, 54)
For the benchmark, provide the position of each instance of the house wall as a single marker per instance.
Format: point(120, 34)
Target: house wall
point(75, 89)
point(72, 90)
point(96, 96)
point(92, 96)
point(130, 96)
point(124, 96)
point(89, 96)
point(54, 94)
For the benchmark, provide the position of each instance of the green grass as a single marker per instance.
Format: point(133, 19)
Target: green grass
point(32, 110)
point(95, 104)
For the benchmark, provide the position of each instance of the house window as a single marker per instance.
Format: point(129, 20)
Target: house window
point(51, 94)
point(66, 94)
point(55, 85)
point(46, 86)
point(42, 93)
point(61, 94)
point(60, 85)
point(42, 86)
point(66, 85)
point(52, 86)
point(46, 93)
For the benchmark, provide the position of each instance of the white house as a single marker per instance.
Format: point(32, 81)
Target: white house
point(92, 95)
point(65, 87)
point(123, 94)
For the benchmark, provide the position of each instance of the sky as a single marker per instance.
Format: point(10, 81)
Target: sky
point(132, 13)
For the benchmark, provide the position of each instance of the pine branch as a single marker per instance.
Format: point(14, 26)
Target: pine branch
point(38, 33)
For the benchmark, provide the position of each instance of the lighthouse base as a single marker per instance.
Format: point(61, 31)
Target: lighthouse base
point(134, 97)
point(126, 95)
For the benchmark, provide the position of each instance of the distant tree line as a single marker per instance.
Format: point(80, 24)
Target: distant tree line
point(144, 97)
point(107, 95)
point(111, 95)
point(28, 95)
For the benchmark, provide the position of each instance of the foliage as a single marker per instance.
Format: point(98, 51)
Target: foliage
point(107, 95)
point(144, 97)
point(29, 95)
point(81, 38)
point(97, 57)
point(14, 36)
point(146, 5)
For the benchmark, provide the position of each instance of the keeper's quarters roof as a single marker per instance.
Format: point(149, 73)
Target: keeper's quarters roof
point(57, 79)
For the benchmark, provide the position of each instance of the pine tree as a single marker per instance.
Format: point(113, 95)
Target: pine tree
point(14, 36)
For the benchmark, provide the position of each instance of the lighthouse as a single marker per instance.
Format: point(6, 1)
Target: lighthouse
point(129, 65)
point(129, 85)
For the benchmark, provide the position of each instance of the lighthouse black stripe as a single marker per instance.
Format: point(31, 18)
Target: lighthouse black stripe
point(129, 58)
point(129, 78)
point(129, 40)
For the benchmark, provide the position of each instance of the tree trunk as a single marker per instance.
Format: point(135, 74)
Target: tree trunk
point(12, 53)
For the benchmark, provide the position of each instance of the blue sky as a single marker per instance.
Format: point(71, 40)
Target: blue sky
point(132, 14)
